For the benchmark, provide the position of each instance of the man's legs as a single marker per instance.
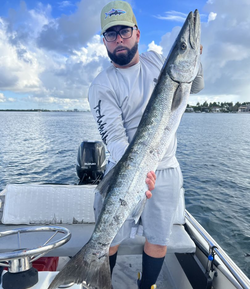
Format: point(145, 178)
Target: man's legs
point(155, 251)
point(152, 260)
point(112, 257)
point(157, 220)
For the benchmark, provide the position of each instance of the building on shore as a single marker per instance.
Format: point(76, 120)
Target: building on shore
point(215, 109)
point(189, 109)
point(244, 108)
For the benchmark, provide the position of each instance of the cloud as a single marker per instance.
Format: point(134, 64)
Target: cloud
point(54, 60)
point(71, 77)
point(23, 25)
point(57, 103)
point(226, 55)
point(62, 34)
point(42, 73)
point(155, 47)
point(173, 16)
point(64, 4)
point(168, 39)
point(212, 16)
point(4, 99)
point(73, 31)
point(19, 68)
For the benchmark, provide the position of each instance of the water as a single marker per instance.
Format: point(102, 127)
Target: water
point(213, 150)
point(42, 147)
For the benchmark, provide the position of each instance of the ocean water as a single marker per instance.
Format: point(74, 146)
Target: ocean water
point(213, 151)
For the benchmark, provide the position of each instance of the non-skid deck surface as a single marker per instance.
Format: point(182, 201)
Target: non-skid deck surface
point(126, 269)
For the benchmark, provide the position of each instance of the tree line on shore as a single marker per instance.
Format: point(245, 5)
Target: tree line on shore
point(222, 106)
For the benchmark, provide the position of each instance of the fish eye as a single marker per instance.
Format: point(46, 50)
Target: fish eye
point(183, 46)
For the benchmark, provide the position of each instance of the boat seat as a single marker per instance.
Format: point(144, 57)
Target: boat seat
point(32, 204)
point(67, 206)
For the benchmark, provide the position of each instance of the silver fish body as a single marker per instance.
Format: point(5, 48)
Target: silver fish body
point(124, 187)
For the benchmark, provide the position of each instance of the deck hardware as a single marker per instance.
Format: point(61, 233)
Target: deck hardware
point(210, 258)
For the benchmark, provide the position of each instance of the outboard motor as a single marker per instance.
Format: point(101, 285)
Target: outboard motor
point(91, 162)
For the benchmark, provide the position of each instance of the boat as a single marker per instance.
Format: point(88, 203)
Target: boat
point(43, 225)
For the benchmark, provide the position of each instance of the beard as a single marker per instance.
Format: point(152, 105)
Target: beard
point(123, 58)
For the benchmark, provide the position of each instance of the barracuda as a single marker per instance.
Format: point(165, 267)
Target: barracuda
point(124, 187)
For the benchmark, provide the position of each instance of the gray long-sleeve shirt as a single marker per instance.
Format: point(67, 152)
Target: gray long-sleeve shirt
point(118, 98)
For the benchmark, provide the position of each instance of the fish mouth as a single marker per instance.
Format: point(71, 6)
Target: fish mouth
point(194, 28)
point(195, 16)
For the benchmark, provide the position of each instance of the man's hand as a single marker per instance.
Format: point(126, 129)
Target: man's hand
point(150, 181)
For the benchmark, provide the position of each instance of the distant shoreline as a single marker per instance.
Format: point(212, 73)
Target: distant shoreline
point(41, 110)
point(45, 110)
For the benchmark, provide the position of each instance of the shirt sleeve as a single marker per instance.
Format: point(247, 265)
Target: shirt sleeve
point(108, 115)
point(198, 82)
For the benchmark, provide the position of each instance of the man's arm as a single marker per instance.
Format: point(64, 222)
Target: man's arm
point(198, 82)
point(108, 116)
point(110, 124)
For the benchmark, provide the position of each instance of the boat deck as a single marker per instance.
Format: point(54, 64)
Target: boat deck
point(126, 269)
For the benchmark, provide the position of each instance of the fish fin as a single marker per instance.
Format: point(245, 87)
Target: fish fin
point(104, 185)
point(139, 209)
point(88, 266)
point(177, 98)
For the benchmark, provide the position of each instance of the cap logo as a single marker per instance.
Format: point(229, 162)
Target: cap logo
point(114, 12)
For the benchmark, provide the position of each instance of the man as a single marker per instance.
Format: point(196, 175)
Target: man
point(118, 97)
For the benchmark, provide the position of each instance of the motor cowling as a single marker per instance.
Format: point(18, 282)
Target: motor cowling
point(91, 162)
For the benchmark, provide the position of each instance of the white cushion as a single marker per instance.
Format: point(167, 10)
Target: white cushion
point(179, 242)
point(48, 204)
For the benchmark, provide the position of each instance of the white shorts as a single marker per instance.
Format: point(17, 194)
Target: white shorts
point(165, 208)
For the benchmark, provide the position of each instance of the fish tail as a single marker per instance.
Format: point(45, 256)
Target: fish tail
point(89, 266)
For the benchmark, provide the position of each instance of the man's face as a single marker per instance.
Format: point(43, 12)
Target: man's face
point(123, 52)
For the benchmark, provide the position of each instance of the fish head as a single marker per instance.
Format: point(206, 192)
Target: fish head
point(184, 58)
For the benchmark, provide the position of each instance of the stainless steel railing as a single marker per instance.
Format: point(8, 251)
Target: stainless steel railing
point(241, 278)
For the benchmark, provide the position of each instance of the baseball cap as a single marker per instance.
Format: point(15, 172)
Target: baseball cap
point(117, 13)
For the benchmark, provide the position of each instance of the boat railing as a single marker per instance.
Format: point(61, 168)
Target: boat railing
point(241, 278)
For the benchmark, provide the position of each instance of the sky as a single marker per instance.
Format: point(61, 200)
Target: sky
point(51, 50)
